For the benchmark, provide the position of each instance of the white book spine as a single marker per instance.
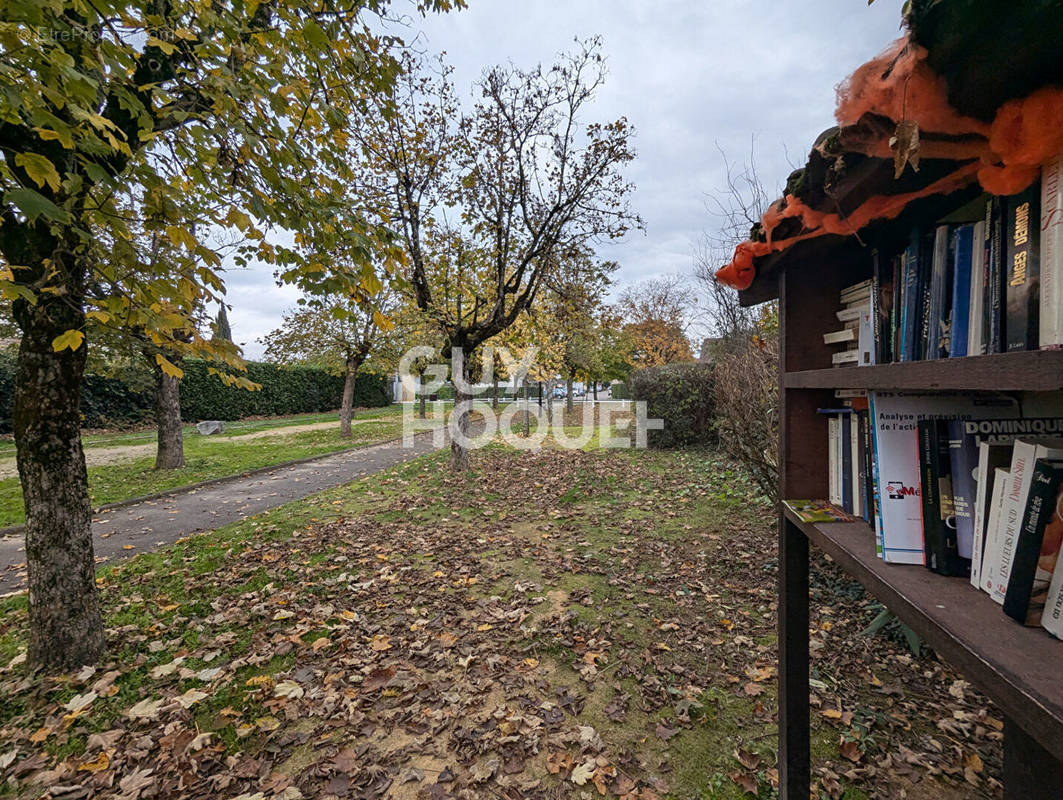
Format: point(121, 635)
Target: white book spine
point(1051, 319)
point(978, 544)
point(1001, 478)
point(834, 468)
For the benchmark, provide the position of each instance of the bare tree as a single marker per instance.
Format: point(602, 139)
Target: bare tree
point(735, 209)
point(746, 362)
point(529, 183)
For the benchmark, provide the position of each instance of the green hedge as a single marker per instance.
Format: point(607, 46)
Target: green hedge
point(285, 390)
point(682, 396)
point(110, 402)
point(618, 391)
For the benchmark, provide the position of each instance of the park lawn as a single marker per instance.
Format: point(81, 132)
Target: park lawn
point(555, 624)
point(147, 435)
point(208, 457)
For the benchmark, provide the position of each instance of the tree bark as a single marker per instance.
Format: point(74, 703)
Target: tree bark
point(568, 394)
point(170, 453)
point(65, 625)
point(594, 388)
point(527, 410)
point(459, 453)
point(424, 398)
point(494, 394)
point(347, 404)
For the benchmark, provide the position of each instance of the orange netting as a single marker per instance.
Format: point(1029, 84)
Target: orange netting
point(900, 85)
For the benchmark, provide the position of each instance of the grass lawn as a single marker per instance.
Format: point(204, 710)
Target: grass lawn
point(560, 624)
point(209, 457)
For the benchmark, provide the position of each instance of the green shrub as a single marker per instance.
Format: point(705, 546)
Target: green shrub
point(110, 402)
point(682, 396)
point(285, 390)
point(618, 391)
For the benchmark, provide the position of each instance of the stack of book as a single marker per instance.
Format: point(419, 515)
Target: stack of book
point(851, 453)
point(987, 279)
point(855, 336)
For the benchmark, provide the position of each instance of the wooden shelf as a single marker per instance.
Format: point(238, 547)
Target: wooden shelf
point(1019, 668)
point(1035, 371)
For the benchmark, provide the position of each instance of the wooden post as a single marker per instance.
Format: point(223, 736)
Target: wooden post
point(794, 748)
point(1030, 771)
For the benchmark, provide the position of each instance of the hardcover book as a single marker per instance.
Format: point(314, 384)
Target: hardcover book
point(1022, 261)
point(975, 332)
point(1037, 549)
point(963, 238)
point(1051, 322)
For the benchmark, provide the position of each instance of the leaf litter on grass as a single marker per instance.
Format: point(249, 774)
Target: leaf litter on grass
point(557, 624)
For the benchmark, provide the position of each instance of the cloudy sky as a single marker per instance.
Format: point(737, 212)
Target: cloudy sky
point(693, 78)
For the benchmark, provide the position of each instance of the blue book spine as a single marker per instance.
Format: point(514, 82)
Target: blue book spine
point(963, 250)
point(911, 301)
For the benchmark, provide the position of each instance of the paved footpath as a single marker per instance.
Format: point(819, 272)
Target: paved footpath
point(152, 523)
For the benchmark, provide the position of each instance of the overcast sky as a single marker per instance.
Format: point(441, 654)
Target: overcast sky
point(689, 76)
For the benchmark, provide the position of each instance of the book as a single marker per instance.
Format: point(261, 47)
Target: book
point(846, 454)
point(865, 343)
point(1001, 479)
point(924, 314)
point(817, 511)
point(963, 468)
point(940, 291)
point(853, 445)
point(910, 298)
point(1023, 257)
point(838, 337)
point(845, 358)
point(995, 277)
point(991, 457)
point(834, 493)
point(848, 315)
point(860, 504)
point(1024, 455)
point(939, 517)
point(1050, 330)
point(1037, 548)
point(963, 238)
point(894, 419)
point(975, 330)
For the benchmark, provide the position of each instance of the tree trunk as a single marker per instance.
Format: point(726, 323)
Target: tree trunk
point(65, 625)
point(494, 394)
point(459, 453)
point(568, 395)
point(170, 453)
point(347, 404)
point(527, 409)
point(424, 398)
point(594, 388)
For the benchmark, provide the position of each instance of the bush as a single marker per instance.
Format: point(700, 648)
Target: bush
point(110, 402)
point(747, 406)
point(682, 396)
point(285, 390)
point(618, 391)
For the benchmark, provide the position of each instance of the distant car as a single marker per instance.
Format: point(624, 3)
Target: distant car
point(559, 393)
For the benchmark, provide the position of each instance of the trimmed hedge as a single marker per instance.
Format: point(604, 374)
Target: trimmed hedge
point(285, 390)
point(110, 402)
point(681, 395)
point(618, 391)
